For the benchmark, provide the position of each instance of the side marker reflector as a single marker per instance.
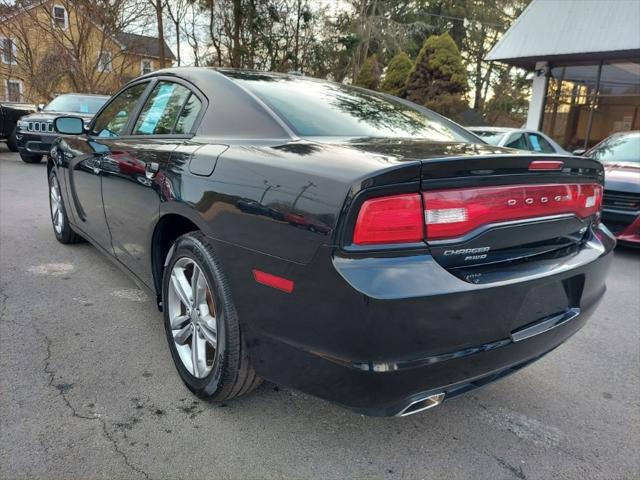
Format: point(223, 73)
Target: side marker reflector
point(273, 281)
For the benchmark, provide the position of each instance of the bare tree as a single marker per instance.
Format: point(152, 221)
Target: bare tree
point(52, 48)
point(193, 31)
point(177, 12)
point(158, 9)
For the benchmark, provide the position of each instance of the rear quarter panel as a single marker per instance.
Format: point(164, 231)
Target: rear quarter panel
point(281, 200)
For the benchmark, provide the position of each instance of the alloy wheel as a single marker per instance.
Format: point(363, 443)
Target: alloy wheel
point(55, 202)
point(192, 316)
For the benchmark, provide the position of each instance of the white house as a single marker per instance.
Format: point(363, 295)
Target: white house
point(586, 59)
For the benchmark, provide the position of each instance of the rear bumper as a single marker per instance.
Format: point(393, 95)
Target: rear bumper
point(376, 335)
point(34, 143)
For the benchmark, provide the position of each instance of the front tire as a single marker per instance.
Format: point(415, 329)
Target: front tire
point(30, 157)
point(59, 220)
point(11, 141)
point(202, 325)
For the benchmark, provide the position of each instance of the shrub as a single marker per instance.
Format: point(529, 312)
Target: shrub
point(395, 78)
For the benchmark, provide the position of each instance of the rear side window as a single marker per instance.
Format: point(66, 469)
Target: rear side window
point(540, 144)
point(113, 119)
point(163, 111)
point(518, 141)
point(188, 115)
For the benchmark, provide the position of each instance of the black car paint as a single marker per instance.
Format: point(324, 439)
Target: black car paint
point(372, 330)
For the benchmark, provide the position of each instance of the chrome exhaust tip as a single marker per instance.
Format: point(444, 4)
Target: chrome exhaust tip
point(423, 404)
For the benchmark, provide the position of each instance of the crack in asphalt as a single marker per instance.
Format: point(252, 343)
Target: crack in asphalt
point(557, 446)
point(63, 388)
point(62, 391)
point(515, 471)
point(3, 302)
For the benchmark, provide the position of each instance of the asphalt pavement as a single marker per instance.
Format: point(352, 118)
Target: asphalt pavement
point(88, 389)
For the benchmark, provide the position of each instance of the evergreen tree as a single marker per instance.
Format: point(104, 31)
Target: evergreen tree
point(369, 76)
point(438, 79)
point(509, 104)
point(396, 75)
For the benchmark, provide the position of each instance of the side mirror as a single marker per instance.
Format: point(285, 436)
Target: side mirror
point(40, 107)
point(579, 152)
point(68, 125)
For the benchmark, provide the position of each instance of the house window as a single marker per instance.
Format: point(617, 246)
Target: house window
point(8, 50)
point(14, 91)
point(60, 17)
point(104, 62)
point(146, 66)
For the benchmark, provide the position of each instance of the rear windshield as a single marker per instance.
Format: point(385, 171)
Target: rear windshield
point(324, 109)
point(75, 104)
point(618, 148)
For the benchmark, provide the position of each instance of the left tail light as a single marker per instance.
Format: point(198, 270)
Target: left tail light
point(392, 219)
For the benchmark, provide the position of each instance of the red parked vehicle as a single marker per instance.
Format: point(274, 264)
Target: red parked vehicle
point(620, 154)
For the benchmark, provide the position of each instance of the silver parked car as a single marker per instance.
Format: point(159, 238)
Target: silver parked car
point(518, 138)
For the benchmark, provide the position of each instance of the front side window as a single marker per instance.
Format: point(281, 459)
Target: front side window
point(60, 17)
point(112, 121)
point(517, 140)
point(104, 62)
point(540, 144)
point(325, 109)
point(162, 109)
point(14, 91)
point(8, 50)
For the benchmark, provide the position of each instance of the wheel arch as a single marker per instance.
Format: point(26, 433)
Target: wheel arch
point(168, 228)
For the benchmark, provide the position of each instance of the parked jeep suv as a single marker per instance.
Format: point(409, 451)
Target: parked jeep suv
point(10, 112)
point(35, 135)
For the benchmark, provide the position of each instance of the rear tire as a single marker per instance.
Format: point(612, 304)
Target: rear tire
point(30, 157)
point(11, 141)
point(223, 371)
point(59, 220)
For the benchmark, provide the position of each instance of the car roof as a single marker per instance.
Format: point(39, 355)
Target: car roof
point(96, 95)
point(494, 129)
point(232, 100)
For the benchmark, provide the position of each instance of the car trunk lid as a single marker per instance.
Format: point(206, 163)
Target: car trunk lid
point(504, 208)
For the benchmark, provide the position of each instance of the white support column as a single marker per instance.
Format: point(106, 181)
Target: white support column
point(538, 91)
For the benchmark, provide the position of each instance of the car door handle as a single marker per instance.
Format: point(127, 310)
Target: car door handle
point(151, 169)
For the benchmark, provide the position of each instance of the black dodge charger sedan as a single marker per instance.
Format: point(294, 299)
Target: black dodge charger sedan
point(343, 242)
point(34, 132)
